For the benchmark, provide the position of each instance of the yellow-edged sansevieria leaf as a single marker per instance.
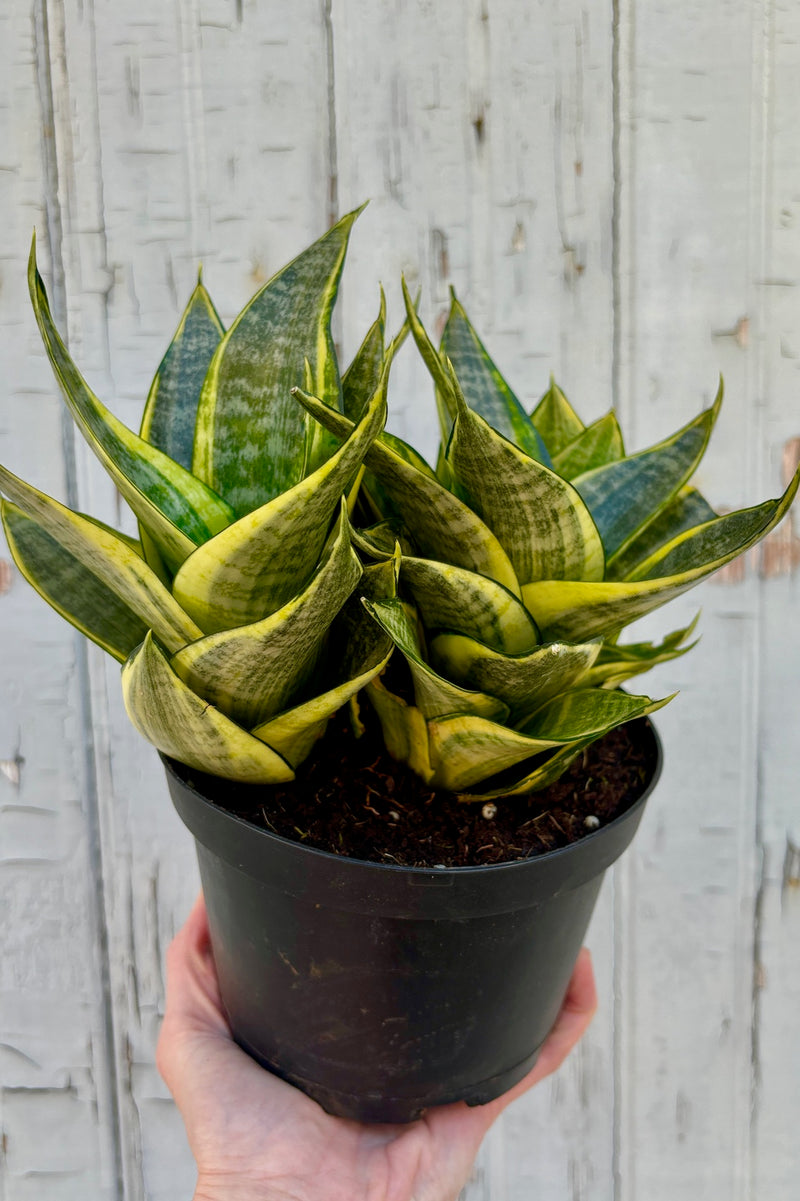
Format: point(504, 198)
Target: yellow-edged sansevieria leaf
point(177, 510)
point(440, 525)
point(294, 555)
point(538, 517)
point(108, 556)
point(251, 672)
point(170, 413)
point(452, 598)
point(70, 587)
point(263, 559)
point(181, 724)
point(246, 404)
point(434, 694)
point(489, 394)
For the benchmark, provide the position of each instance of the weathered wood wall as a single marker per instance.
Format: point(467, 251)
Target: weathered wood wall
point(615, 190)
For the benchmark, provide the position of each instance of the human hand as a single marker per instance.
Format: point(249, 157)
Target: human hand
point(256, 1138)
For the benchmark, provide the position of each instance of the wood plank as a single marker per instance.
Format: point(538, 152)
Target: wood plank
point(53, 1050)
point(691, 155)
point(776, 979)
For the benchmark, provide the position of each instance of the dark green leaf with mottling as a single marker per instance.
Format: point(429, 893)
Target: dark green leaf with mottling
point(171, 410)
point(250, 440)
point(486, 391)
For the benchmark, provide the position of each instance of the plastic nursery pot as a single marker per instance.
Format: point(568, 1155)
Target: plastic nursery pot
point(381, 990)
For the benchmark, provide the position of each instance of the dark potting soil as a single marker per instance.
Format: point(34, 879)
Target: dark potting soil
point(350, 797)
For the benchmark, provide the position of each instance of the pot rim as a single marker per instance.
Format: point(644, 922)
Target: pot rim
point(176, 769)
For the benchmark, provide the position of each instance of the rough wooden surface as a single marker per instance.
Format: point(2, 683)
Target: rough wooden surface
point(613, 190)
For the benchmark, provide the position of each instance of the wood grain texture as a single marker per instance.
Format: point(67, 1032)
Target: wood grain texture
point(613, 191)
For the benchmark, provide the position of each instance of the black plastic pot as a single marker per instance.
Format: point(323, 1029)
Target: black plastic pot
point(383, 990)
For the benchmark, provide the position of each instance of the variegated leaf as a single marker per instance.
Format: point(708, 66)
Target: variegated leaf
point(524, 780)
point(443, 384)
point(108, 556)
point(178, 510)
point(179, 723)
point(574, 610)
point(462, 748)
point(252, 672)
point(588, 713)
point(405, 733)
point(618, 661)
point(71, 588)
point(171, 410)
point(555, 420)
point(522, 681)
point(686, 510)
point(363, 375)
point(263, 559)
point(451, 598)
point(625, 496)
point(434, 695)
point(440, 525)
point(488, 393)
point(600, 443)
point(358, 651)
point(466, 750)
point(723, 538)
point(539, 519)
point(250, 440)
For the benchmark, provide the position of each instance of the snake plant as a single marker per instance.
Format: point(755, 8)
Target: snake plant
point(292, 553)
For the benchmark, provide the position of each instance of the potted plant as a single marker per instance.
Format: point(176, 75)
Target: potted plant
point(455, 630)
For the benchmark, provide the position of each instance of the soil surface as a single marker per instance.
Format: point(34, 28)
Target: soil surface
point(350, 797)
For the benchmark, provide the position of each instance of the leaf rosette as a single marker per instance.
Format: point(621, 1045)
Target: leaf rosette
point(292, 553)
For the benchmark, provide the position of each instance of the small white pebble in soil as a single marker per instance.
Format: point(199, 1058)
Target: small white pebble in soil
point(591, 822)
point(489, 811)
point(394, 815)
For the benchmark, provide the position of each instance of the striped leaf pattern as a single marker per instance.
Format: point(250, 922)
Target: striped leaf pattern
point(294, 554)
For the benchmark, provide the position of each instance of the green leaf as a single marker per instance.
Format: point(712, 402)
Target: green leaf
point(441, 526)
point(522, 681)
point(538, 518)
point(445, 395)
point(363, 375)
point(588, 713)
point(466, 750)
point(720, 539)
point(71, 588)
point(262, 560)
point(489, 394)
point(178, 510)
point(110, 557)
point(250, 440)
point(171, 410)
point(574, 610)
point(179, 723)
point(434, 696)
point(450, 598)
point(253, 672)
point(617, 663)
point(625, 496)
point(555, 420)
point(363, 652)
point(525, 780)
point(686, 510)
point(405, 733)
point(600, 443)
